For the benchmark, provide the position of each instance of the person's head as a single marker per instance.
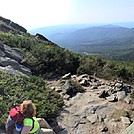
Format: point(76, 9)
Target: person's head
point(28, 108)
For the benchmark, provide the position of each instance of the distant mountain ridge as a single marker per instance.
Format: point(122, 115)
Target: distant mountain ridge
point(102, 40)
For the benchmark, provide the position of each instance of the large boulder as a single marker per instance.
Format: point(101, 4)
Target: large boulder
point(11, 66)
point(10, 61)
point(12, 53)
point(4, 28)
point(40, 37)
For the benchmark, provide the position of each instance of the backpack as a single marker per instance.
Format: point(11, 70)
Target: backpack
point(15, 118)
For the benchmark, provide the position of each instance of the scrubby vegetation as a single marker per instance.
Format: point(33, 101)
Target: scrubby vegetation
point(13, 90)
point(47, 59)
point(107, 69)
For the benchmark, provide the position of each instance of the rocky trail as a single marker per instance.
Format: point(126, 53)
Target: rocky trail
point(97, 110)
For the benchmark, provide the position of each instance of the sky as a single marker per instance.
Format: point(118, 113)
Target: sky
point(40, 13)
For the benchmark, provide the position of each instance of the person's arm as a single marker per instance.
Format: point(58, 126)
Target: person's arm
point(26, 129)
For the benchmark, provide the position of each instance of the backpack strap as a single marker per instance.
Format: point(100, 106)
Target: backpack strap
point(33, 124)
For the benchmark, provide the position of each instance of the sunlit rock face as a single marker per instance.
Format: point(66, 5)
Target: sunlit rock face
point(10, 61)
point(7, 25)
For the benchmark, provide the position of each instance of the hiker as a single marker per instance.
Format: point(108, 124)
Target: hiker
point(22, 120)
point(14, 120)
point(30, 123)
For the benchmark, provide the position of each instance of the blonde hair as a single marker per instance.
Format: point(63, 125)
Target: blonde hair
point(28, 108)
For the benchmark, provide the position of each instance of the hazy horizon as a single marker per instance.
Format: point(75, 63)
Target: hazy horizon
point(42, 13)
point(123, 24)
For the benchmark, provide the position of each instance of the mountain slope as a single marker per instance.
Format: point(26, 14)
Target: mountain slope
point(47, 60)
point(100, 40)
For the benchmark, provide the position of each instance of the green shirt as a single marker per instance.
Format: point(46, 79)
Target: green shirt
point(29, 122)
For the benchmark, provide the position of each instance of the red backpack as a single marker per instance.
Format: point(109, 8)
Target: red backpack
point(15, 118)
point(16, 114)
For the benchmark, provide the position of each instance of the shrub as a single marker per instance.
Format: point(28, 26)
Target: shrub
point(15, 89)
point(47, 59)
